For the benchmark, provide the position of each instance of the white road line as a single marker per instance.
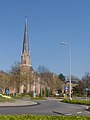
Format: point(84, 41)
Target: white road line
point(79, 112)
point(68, 114)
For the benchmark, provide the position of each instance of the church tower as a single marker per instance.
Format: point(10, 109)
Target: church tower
point(25, 67)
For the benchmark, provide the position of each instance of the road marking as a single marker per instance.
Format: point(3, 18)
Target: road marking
point(79, 112)
point(58, 113)
point(68, 114)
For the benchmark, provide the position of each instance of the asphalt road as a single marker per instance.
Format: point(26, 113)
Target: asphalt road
point(48, 107)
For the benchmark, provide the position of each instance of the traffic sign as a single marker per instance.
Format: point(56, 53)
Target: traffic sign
point(86, 89)
point(66, 88)
point(66, 91)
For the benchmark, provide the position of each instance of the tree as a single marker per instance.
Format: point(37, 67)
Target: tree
point(4, 80)
point(86, 81)
point(79, 89)
point(19, 76)
point(61, 77)
point(14, 74)
point(50, 80)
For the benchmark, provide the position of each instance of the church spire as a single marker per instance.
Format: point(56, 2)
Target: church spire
point(25, 57)
point(25, 41)
point(25, 66)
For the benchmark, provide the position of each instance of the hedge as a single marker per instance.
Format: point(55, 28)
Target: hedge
point(89, 108)
point(30, 117)
point(81, 102)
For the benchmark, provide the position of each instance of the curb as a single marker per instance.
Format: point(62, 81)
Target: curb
point(67, 114)
point(16, 104)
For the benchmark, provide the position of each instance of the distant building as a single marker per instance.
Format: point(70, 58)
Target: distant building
point(73, 83)
point(67, 84)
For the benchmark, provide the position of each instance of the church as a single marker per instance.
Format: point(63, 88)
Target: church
point(29, 82)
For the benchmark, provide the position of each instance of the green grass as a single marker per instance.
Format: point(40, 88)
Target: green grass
point(5, 99)
point(20, 96)
point(38, 98)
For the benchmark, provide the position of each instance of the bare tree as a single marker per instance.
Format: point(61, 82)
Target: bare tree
point(86, 79)
point(14, 74)
point(51, 81)
point(4, 80)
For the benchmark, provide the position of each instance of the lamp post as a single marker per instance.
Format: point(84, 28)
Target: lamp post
point(69, 47)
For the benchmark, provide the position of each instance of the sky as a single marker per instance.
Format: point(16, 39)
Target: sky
point(50, 22)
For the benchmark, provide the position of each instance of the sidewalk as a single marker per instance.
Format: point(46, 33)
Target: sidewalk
point(18, 102)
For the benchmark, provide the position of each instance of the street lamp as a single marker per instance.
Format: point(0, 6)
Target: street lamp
point(69, 47)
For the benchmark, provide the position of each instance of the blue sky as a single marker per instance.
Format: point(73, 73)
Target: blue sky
point(49, 23)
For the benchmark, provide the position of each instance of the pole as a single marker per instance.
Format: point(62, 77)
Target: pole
point(70, 72)
point(34, 88)
point(70, 87)
point(86, 94)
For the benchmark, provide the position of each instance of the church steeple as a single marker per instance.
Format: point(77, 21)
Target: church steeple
point(25, 66)
point(25, 57)
point(25, 41)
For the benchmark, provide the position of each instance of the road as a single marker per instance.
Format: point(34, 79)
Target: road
point(48, 107)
